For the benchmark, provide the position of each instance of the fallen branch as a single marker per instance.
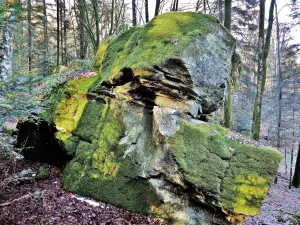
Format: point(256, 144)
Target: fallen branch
point(15, 200)
point(17, 179)
point(279, 175)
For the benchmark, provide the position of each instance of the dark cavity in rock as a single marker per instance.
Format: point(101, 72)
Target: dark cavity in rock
point(37, 141)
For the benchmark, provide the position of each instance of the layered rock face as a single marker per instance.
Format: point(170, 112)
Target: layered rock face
point(133, 137)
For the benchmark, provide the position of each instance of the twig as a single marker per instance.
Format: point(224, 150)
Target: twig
point(15, 200)
point(282, 176)
point(18, 179)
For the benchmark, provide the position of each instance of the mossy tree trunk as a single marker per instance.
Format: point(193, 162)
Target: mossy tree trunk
point(263, 51)
point(228, 100)
point(296, 178)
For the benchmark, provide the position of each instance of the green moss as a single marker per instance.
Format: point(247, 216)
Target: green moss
point(42, 173)
point(101, 54)
point(70, 145)
point(199, 151)
point(67, 114)
point(99, 169)
point(250, 173)
point(240, 174)
point(89, 121)
point(66, 105)
point(152, 43)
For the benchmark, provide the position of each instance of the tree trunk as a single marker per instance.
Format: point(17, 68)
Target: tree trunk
point(134, 21)
point(146, 11)
point(6, 45)
point(65, 34)
point(57, 33)
point(228, 100)
point(262, 67)
point(293, 140)
point(45, 26)
point(255, 118)
point(119, 16)
point(157, 7)
point(82, 46)
point(97, 21)
point(228, 106)
point(227, 19)
point(61, 31)
point(112, 17)
point(279, 80)
point(29, 9)
point(220, 6)
point(176, 5)
point(296, 178)
point(197, 5)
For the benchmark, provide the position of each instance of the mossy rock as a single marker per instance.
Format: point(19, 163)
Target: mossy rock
point(42, 173)
point(165, 37)
point(185, 53)
point(117, 149)
point(99, 169)
point(239, 175)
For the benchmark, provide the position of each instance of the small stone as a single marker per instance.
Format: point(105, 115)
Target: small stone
point(26, 173)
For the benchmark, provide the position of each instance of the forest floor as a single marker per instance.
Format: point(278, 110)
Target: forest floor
point(26, 200)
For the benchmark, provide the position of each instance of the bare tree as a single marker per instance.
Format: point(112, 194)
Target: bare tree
point(134, 20)
point(29, 10)
point(146, 11)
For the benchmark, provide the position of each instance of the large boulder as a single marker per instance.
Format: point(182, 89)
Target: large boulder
point(178, 60)
point(134, 136)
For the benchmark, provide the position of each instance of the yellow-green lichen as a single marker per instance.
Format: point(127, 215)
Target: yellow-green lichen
point(251, 191)
point(101, 54)
point(71, 104)
point(250, 173)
